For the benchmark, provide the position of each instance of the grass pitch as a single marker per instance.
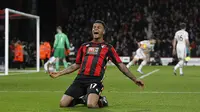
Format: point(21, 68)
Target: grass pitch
point(164, 92)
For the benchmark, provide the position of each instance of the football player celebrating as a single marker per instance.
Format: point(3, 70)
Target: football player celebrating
point(91, 61)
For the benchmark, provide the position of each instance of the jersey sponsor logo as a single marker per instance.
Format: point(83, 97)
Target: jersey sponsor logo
point(93, 50)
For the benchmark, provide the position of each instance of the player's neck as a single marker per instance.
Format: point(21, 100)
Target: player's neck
point(100, 40)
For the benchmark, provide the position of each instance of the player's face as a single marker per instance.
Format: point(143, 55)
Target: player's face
point(97, 30)
point(58, 30)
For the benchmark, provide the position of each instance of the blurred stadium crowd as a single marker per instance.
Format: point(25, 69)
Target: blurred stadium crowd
point(128, 22)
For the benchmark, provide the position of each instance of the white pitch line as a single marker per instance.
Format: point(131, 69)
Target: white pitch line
point(156, 92)
point(126, 92)
point(143, 76)
point(18, 73)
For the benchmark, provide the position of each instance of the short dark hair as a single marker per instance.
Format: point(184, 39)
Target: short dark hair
point(182, 25)
point(101, 22)
point(59, 27)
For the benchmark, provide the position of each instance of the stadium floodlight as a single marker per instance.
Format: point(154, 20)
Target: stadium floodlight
point(8, 15)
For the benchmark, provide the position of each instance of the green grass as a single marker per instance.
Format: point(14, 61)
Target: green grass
point(37, 92)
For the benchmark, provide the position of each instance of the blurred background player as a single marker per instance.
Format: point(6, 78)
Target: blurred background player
point(48, 50)
point(19, 55)
point(142, 53)
point(180, 46)
point(59, 47)
point(49, 65)
point(42, 53)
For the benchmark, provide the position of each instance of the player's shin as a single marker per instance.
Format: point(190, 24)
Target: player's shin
point(141, 65)
point(65, 63)
point(181, 64)
point(57, 64)
point(42, 62)
point(176, 67)
point(181, 70)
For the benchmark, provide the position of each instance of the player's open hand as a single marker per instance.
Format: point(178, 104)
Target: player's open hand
point(139, 83)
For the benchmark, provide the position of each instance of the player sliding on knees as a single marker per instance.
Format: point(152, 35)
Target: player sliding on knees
point(91, 61)
point(180, 46)
point(142, 53)
point(59, 47)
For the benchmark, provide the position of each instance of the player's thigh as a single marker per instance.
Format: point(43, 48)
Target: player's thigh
point(56, 53)
point(75, 90)
point(147, 58)
point(93, 92)
point(136, 58)
point(138, 51)
point(95, 88)
point(181, 52)
point(182, 55)
point(62, 53)
point(141, 55)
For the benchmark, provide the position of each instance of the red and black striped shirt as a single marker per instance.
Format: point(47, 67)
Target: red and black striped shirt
point(93, 58)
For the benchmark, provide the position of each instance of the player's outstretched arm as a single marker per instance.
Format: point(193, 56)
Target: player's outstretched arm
point(127, 73)
point(114, 57)
point(68, 70)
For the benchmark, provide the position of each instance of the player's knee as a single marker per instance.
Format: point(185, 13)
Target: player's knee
point(57, 59)
point(144, 62)
point(181, 63)
point(135, 59)
point(63, 104)
point(91, 105)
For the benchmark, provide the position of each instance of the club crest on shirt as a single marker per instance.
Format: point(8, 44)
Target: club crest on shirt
point(93, 50)
point(102, 46)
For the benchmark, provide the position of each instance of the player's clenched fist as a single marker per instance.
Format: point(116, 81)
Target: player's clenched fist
point(54, 74)
point(139, 83)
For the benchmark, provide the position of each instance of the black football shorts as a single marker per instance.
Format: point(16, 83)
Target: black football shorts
point(77, 89)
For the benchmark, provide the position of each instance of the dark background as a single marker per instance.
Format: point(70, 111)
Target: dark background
point(128, 21)
point(50, 13)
